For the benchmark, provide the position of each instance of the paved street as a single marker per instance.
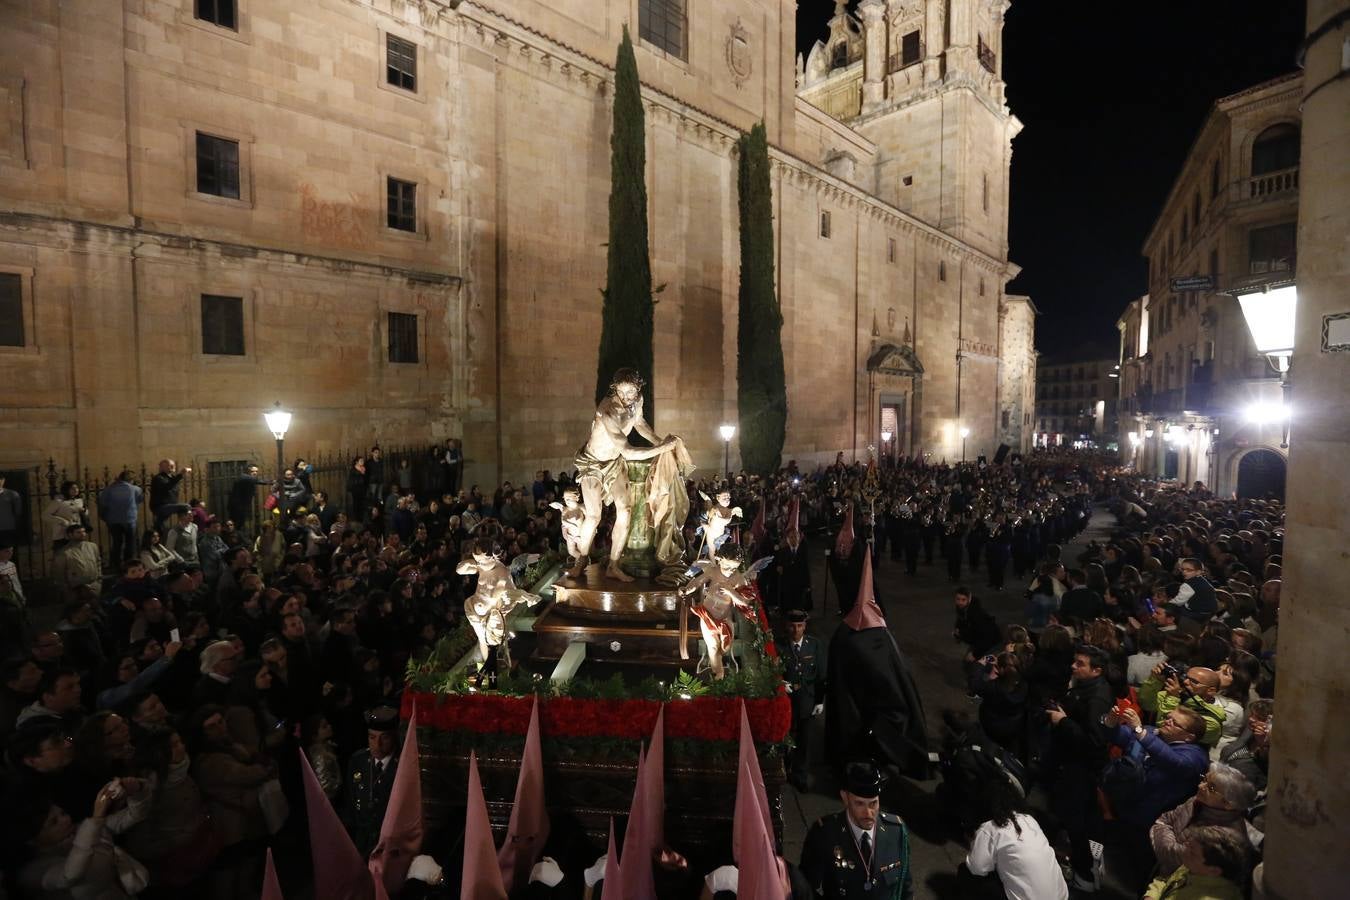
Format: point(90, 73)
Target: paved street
point(920, 613)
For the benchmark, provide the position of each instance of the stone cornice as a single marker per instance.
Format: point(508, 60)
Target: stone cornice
point(168, 243)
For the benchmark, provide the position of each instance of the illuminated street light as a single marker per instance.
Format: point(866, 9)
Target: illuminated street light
point(1266, 413)
point(278, 420)
point(1269, 312)
point(965, 433)
point(728, 432)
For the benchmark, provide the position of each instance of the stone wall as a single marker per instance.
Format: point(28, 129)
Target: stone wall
point(507, 139)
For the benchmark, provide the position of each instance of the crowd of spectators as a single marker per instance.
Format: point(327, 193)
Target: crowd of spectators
point(153, 735)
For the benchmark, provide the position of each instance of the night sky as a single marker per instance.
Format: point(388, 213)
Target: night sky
point(1110, 97)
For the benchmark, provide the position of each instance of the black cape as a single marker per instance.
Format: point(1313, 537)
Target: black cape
point(872, 708)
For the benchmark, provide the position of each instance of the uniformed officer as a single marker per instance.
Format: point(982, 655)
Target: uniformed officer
point(860, 852)
point(804, 677)
point(370, 778)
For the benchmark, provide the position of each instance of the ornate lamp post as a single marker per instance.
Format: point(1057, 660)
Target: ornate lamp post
point(278, 420)
point(1269, 311)
point(728, 432)
point(965, 433)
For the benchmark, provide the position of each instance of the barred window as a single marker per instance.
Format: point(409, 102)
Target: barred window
point(402, 337)
point(402, 205)
point(400, 67)
point(825, 224)
point(1272, 249)
point(11, 310)
point(222, 325)
point(217, 12)
point(662, 24)
point(910, 48)
point(217, 166)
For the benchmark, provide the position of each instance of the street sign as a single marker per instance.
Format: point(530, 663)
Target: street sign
point(1193, 283)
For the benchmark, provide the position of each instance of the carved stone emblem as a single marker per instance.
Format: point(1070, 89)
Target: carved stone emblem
point(739, 60)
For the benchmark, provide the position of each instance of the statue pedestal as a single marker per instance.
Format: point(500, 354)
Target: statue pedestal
point(640, 617)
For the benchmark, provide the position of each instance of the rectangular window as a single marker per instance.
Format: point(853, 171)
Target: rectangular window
point(402, 337)
point(222, 325)
point(402, 211)
point(890, 250)
point(825, 224)
point(911, 51)
point(1185, 228)
point(217, 12)
point(661, 23)
point(11, 310)
point(1007, 418)
point(982, 291)
point(1215, 181)
point(400, 63)
point(217, 166)
point(942, 270)
point(1195, 211)
point(1271, 249)
point(1214, 267)
point(984, 193)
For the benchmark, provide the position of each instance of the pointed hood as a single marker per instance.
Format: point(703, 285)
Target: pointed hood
point(529, 826)
point(758, 878)
point(636, 871)
point(843, 544)
point(752, 800)
point(612, 889)
point(757, 528)
point(865, 612)
point(271, 889)
point(339, 870)
point(654, 783)
point(401, 831)
point(482, 878)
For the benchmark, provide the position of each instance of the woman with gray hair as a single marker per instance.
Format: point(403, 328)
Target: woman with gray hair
point(1221, 802)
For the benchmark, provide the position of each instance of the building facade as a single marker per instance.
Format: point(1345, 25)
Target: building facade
point(391, 217)
point(1076, 402)
point(1200, 402)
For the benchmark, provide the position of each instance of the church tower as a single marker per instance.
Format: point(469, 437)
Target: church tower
point(933, 101)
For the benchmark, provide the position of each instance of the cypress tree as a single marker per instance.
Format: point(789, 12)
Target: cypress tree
point(626, 322)
point(761, 389)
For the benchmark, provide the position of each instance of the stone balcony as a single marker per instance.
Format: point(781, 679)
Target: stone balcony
point(1272, 184)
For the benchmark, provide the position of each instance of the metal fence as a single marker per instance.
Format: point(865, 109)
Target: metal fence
point(39, 486)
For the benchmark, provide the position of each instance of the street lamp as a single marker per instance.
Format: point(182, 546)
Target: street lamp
point(278, 420)
point(886, 444)
point(1269, 311)
point(965, 433)
point(728, 432)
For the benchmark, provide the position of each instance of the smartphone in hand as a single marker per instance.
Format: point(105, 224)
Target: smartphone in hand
point(173, 636)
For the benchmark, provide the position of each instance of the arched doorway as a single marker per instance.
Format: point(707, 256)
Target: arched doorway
point(1261, 474)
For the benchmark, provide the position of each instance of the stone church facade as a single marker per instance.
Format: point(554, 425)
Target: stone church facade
point(390, 215)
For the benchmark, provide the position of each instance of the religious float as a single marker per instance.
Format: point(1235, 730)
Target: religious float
point(602, 647)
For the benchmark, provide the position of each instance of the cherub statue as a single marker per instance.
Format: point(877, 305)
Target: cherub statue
point(718, 516)
point(495, 598)
point(572, 517)
point(720, 581)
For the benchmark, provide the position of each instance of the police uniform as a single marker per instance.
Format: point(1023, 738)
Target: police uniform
point(803, 674)
point(838, 865)
point(368, 784)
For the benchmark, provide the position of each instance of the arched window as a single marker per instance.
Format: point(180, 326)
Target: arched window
point(1275, 149)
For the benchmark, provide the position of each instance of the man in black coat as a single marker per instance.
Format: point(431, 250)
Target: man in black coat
point(792, 574)
point(1080, 601)
point(1078, 744)
point(243, 493)
point(805, 679)
point(975, 627)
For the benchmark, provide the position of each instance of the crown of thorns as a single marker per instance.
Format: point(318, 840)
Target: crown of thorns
point(626, 376)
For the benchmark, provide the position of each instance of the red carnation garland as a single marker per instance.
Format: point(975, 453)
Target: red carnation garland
point(701, 719)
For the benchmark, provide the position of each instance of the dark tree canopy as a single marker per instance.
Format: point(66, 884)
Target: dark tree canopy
point(761, 387)
point(626, 321)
